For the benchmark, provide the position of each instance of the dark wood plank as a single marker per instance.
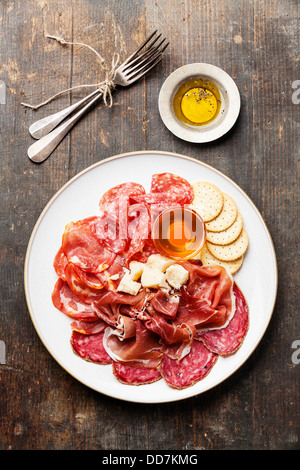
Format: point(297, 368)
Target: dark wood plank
point(256, 42)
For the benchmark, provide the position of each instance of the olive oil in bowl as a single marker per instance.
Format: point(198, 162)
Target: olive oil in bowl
point(197, 102)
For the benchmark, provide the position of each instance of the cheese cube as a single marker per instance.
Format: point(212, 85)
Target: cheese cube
point(136, 270)
point(159, 262)
point(176, 276)
point(152, 277)
point(129, 286)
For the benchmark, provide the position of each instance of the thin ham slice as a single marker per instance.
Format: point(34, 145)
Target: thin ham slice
point(132, 343)
point(207, 300)
point(88, 328)
point(228, 340)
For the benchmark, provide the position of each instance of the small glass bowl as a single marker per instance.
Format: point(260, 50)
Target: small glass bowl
point(179, 233)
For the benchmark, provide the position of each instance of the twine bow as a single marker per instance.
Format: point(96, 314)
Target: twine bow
point(105, 87)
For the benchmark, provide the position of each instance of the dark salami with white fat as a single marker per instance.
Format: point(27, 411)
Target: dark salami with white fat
point(167, 188)
point(90, 347)
point(189, 370)
point(227, 341)
point(116, 199)
point(135, 376)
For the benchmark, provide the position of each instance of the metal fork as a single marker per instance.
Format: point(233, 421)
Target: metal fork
point(131, 70)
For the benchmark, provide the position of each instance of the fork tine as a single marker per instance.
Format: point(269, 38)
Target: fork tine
point(144, 63)
point(146, 70)
point(134, 54)
point(141, 59)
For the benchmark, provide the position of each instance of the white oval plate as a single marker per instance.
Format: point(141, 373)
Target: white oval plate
point(230, 103)
point(78, 199)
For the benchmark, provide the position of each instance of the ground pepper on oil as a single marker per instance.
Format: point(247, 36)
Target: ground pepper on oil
point(197, 102)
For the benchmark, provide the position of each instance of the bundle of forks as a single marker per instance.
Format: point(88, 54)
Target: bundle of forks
point(51, 130)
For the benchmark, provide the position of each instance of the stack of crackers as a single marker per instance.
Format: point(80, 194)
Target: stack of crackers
point(226, 237)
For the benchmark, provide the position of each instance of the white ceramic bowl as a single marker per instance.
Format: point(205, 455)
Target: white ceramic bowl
point(230, 103)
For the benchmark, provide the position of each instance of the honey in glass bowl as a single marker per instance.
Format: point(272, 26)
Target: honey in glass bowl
point(179, 233)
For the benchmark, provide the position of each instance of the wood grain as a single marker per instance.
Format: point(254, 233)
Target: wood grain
point(257, 43)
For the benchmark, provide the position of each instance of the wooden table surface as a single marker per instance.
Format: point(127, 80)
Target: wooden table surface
point(257, 43)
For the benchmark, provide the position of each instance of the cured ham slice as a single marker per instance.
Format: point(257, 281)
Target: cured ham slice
point(228, 340)
point(82, 248)
point(131, 342)
point(70, 304)
point(90, 347)
point(175, 340)
point(207, 301)
point(88, 328)
point(189, 370)
point(165, 304)
point(135, 376)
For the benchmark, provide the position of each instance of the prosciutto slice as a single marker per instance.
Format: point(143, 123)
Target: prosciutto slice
point(131, 342)
point(207, 300)
point(228, 340)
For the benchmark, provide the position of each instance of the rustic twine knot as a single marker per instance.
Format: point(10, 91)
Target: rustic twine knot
point(105, 87)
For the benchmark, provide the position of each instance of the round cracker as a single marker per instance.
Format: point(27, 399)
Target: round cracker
point(232, 251)
point(226, 217)
point(208, 259)
point(208, 200)
point(226, 236)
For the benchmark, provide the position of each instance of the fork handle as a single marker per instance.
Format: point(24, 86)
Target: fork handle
point(42, 127)
point(40, 150)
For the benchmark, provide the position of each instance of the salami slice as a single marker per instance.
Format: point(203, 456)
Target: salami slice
point(90, 347)
point(168, 188)
point(111, 201)
point(138, 228)
point(189, 370)
point(175, 186)
point(65, 300)
point(227, 341)
point(135, 376)
point(107, 231)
